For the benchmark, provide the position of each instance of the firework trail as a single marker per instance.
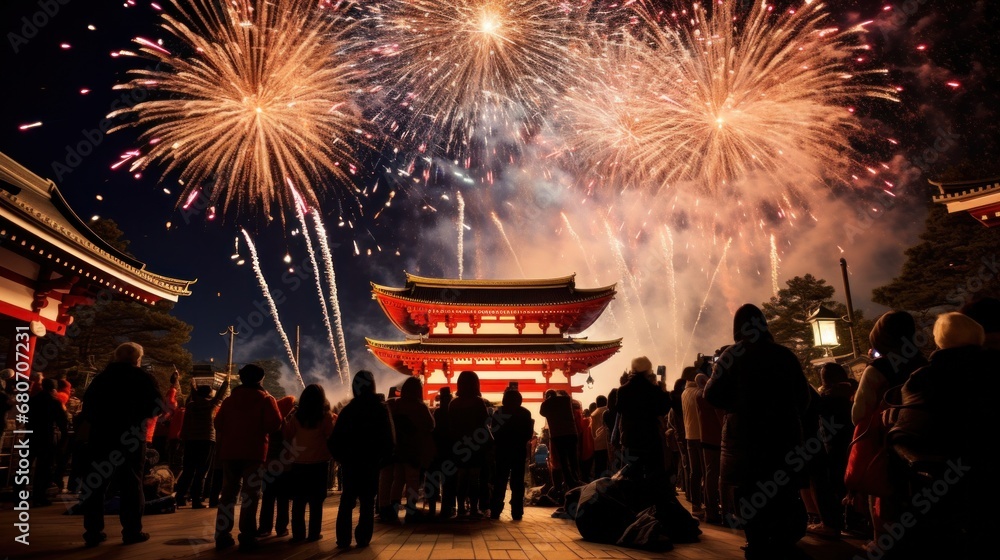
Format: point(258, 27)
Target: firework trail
point(331, 279)
point(774, 266)
point(628, 277)
point(667, 244)
point(274, 309)
point(629, 281)
point(464, 71)
point(708, 292)
point(586, 259)
point(461, 234)
point(300, 212)
point(513, 253)
point(261, 91)
point(717, 102)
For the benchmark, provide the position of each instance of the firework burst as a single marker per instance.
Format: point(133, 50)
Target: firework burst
point(258, 93)
point(718, 99)
point(464, 71)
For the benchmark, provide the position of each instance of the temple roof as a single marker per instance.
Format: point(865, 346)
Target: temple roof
point(545, 291)
point(492, 346)
point(33, 208)
point(980, 198)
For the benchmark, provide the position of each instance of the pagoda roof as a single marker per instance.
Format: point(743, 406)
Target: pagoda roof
point(980, 198)
point(488, 347)
point(514, 293)
point(36, 220)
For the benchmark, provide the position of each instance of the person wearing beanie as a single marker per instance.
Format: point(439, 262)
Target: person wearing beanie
point(896, 357)
point(944, 428)
point(512, 429)
point(761, 387)
point(641, 406)
point(242, 426)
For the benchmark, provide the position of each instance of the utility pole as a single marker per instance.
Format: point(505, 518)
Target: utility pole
point(850, 307)
point(232, 338)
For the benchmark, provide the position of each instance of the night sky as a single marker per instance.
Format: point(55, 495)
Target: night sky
point(925, 45)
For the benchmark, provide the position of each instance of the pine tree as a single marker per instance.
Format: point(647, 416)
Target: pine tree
point(955, 261)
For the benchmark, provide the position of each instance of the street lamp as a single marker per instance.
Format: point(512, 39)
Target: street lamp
point(824, 325)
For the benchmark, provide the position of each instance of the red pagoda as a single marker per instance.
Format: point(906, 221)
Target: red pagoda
point(979, 198)
point(504, 330)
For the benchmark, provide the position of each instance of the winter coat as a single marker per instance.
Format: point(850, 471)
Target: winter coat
point(442, 432)
point(692, 420)
point(363, 435)
point(467, 416)
point(309, 443)
point(243, 423)
point(836, 428)
point(558, 412)
point(414, 427)
point(760, 385)
point(641, 404)
point(47, 419)
point(199, 415)
point(512, 430)
point(710, 421)
point(119, 401)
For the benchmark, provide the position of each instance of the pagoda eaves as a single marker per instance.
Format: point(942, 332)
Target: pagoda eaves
point(980, 198)
point(428, 306)
point(423, 357)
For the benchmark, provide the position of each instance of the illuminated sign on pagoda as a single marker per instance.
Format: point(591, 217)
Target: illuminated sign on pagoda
point(504, 330)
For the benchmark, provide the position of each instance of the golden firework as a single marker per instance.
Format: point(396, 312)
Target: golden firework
point(464, 71)
point(253, 95)
point(719, 99)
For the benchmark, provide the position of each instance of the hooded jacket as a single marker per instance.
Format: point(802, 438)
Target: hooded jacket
point(760, 385)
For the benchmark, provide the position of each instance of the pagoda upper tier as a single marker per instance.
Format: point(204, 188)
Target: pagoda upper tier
point(980, 198)
point(436, 307)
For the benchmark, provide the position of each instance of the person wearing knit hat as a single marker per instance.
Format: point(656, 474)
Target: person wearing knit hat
point(944, 427)
point(954, 330)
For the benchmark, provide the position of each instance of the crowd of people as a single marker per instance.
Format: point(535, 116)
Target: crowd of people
point(742, 436)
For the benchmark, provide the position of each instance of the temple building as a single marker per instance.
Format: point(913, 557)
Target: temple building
point(980, 198)
point(51, 262)
point(507, 331)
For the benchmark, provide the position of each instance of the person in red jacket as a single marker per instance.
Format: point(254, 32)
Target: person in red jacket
point(242, 426)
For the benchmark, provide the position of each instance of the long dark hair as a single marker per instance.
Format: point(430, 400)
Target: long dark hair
point(312, 406)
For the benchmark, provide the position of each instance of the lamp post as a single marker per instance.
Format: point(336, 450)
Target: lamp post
point(824, 325)
point(232, 336)
point(850, 308)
